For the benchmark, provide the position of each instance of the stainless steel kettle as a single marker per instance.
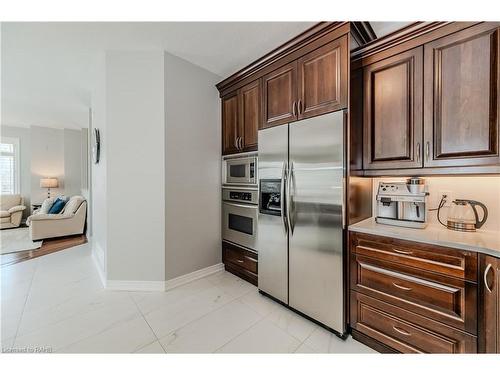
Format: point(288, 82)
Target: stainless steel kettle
point(463, 215)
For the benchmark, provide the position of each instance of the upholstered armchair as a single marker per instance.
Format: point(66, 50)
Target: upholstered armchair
point(69, 222)
point(11, 210)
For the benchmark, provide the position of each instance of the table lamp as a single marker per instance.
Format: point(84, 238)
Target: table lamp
point(49, 182)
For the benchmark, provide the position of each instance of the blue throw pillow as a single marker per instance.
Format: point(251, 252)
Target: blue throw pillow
point(57, 206)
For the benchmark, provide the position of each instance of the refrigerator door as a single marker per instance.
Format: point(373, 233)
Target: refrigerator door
point(272, 241)
point(316, 202)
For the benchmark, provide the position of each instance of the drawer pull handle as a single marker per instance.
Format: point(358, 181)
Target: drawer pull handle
point(240, 261)
point(401, 287)
point(401, 331)
point(403, 252)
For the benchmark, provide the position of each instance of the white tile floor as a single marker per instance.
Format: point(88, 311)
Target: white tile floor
point(56, 302)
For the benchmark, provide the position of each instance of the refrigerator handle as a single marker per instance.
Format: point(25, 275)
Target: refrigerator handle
point(289, 198)
point(283, 199)
point(343, 202)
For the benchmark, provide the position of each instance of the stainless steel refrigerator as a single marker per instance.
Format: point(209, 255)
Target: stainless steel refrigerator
point(300, 235)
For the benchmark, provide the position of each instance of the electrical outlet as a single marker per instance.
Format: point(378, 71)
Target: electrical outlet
point(450, 197)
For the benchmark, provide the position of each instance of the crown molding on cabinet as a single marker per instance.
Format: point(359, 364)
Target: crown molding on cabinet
point(285, 53)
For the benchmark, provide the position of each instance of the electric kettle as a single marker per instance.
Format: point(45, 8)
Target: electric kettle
point(463, 215)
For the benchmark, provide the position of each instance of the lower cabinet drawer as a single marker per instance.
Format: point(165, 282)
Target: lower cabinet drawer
point(447, 300)
point(239, 258)
point(240, 261)
point(405, 331)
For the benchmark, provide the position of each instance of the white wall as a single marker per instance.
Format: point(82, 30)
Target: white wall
point(192, 164)
point(98, 175)
point(24, 136)
point(135, 165)
point(485, 189)
point(47, 160)
point(72, 162)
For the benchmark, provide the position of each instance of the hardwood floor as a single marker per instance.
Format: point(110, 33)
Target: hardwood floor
point(49, 246)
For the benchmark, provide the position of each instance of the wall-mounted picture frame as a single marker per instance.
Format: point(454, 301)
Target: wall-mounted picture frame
point(96, 146)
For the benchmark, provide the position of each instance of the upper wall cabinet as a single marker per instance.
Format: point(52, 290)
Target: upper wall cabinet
point(241, 113)
point(280, 96)
point(461, 98)
point(322, 79)
point(314, 84)
point(250, 114)
point(230, 124)
point(434, 106)
point(393, 111)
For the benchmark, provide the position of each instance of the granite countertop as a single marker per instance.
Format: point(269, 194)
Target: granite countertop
point(487, 242)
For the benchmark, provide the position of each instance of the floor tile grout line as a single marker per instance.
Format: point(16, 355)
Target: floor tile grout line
point(25, 302)
point(121, 321)
point(59, 321)
point(239, 334)
point(195, 320)
point(213, 285)
point(143, 317)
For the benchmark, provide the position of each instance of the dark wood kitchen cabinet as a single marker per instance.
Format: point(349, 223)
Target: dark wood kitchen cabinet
point(250, 114)
point(411, 297)
point(393, 95)
point(280, 96)
point(314, 84)
point(241, 113)
point(230, 126)
point(489, 306)
point(322, 79)
point(240, 262)
point(431, 104)
point(461, 98)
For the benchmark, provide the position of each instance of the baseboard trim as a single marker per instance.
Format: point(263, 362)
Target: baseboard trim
point(136, 285)
point(184, 279)
point(98, 258)
point(161, 286)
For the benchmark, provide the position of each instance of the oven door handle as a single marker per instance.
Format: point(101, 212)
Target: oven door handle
point(252, 206)
point(284, 178)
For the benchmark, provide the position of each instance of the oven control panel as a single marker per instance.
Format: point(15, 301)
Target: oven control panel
point(246, 196)
point(240, 196)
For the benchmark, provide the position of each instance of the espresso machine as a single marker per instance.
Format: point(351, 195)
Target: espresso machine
point(402, 204)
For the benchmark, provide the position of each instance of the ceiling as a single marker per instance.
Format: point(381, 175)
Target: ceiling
point(48, 69)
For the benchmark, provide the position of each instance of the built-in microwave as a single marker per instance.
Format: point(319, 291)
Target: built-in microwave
point(240, 169)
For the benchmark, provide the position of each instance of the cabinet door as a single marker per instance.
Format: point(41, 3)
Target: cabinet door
point(489, 309)
point(250, 114)
point(393, 112)
point(280, 96)
point(230, 124)
point(461, 98)
point(322, 79)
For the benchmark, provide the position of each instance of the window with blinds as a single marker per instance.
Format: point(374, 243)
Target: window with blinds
point(9, 165)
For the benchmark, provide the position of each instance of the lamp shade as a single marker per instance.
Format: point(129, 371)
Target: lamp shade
point(49, 182)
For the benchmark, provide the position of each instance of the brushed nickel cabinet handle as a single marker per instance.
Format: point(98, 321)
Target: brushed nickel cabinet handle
point(294, 110)
point(486, 271)
point(236, 143)
point(401, 287)
point(299, 106)
point(402, 331)
point(402, 252)
point(418, 151)
point(427, 150)
point(240, 143)
point(239, 261)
